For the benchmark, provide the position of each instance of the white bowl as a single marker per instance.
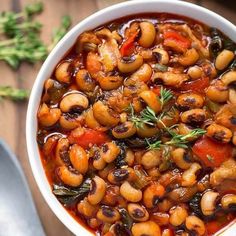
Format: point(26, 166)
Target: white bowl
point(123, 9)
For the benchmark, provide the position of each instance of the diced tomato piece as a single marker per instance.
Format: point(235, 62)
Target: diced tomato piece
point(196, 85)
point(212, 153)
point(128, 46)
point(174, 37)
point(89, 137)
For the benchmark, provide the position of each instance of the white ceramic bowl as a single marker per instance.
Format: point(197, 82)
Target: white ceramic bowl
point(123, 9)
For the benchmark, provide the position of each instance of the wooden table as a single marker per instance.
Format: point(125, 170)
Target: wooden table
point(12, 120)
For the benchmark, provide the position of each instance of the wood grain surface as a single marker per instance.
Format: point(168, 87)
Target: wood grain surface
point(12, 119)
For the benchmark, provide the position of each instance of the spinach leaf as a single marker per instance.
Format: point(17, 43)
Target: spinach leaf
point(68, 196)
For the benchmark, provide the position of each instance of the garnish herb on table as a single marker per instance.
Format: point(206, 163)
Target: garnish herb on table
point(21, 42)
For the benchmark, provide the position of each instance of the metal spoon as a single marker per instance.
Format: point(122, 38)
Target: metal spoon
point(18, 215)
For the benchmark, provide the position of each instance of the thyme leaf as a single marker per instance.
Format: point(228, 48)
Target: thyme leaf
point(165, 96)
point(13, 93)
point(147, 116)
point(177, 140)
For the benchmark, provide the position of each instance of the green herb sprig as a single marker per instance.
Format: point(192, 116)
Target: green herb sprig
point(13, 94)
point(22, 33)
point(147, 116)
point(165, 96)
point(177, 140)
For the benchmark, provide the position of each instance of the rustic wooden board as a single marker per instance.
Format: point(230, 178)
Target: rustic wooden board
point(12, 123)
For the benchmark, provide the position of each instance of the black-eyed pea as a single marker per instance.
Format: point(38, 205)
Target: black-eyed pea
point(87, 209)
point(49, 144)
point(151, 99)
point(160, 218)
point(90, 121)
point(147, 131)
point(84, 81)
point(104, 115)
point(79, 158)
point(124, 130)
point(98, 162)
point(74, 102)
point(108, 214)
point(169, 78)
point(193, 116)
point(217, 91)
point(87, 41)
point(48, 116)
point(118, 229)
point(61, 152)
point(120, 175)
point(137, 212)
point(189, 177)
point(189, 101)
point(151, 159)
point(70, 121)
point(195, 72)
point(232, 96)
point(195, 224)
point(152, 195)
point(224, 59)
point(148, 34)
point(219, 133)
point(143, 74)
point(148, 228)
point(161, 55)
point(63, 73)
point(109, 152)
point(130, 193)
point(69, 177)
point(228, 202)
point(181, 158)
point(97, 190)
point(110, 82)
point(189, 58)
point(129, 157)
point(208, 202)
point(228, 78)
point(178, 215)
point(129, 64)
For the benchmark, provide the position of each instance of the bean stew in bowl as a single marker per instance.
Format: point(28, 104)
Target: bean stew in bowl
point(137, 128)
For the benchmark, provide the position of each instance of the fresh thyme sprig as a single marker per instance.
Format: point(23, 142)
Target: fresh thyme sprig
point(156, 145)
point(177, 140)
point(20, 36)
point(13, 94)
point(180, 140)
point(165, 96)
point(147, 116)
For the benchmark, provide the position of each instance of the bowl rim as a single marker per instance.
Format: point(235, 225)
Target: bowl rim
point(31, 121)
